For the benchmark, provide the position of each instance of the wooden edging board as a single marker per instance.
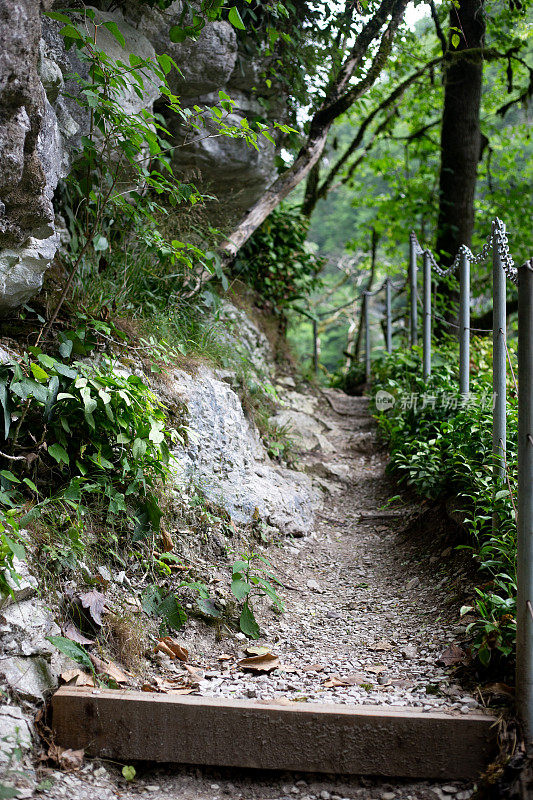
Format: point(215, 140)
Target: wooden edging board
point(308, 737)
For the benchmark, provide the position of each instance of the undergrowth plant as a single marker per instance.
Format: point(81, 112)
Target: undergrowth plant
point(441, 445)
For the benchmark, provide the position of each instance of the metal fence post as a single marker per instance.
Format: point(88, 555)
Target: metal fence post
point(524, 610)
point(464, 325)
point(413, 288)
point(388, 312)
point(499, 324)
point(367, 340)
point(426, 330)
point(315, 346)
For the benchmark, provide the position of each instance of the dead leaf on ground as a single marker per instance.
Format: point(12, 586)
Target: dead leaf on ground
point(225, 657)
point(452, 655)
point(195, 675)
point(108, 668)
point(172, 648)
point(168, 544)
point(134, 605)
point(377, 669)
point(381, 646)
point(69, 760)
point(94, 601)
point(287, 668)
point(256, 650)
point(263, 663)
point(313, 667)
point(77, 677)
point(72, 633)
point(345, 680)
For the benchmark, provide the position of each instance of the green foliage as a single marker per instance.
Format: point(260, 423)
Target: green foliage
point(277, 262)
point(11, 544)
point(252, 576)
point(442, 446)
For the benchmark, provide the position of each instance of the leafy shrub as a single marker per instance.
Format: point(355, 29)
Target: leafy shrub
point(442, 447)
point(276, 261)
point(82, 430)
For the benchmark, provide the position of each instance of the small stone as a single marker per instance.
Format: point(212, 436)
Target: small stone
point(388, 796)
point(240, 636)
point(409, 652)
point(251, 693)
point(215, 786)
point(151, 788)
point(313, 585)
point(449, 789)
point(325, 795)
point(295, 790)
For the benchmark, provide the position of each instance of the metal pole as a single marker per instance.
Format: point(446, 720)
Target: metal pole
point(499, 324)
point(367, 341)
point(426, 330)
point(524, 609)
point(464, 326)
point(315, 346)
point(388, 311)
point(413, 289)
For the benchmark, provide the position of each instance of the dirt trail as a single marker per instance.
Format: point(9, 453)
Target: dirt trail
point(371, 599)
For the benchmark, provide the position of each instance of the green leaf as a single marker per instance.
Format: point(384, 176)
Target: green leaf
point(129, 773)
point(165, 62)
point(208, 607)
point(38, 373)
point(16, 548)
point(139, 448)
point(455, 43)
point(65, 348)
point(5, 473)
point(172, 613)
point(31, 484)
point(177, 34)
point(71, 650)
point(247, 622)
point(151, 599)
point(59, 453)
point(8, 792)
point(113, 29)
point(70, 32)
point(235, 18)
point(239, 587)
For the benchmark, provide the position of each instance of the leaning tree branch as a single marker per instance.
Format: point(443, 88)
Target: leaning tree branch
point(340, 95)
point(395, 95)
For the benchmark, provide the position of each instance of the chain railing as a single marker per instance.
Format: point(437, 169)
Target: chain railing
point(502, 268)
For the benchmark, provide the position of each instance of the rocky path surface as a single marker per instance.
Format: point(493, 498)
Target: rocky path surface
point(372, 598)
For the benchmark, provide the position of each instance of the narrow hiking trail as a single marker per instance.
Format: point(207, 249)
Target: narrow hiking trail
point(372, 597)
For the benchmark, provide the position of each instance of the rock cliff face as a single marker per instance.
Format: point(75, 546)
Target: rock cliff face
point(41, 126)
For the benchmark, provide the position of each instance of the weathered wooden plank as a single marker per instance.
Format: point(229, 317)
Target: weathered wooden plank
point(365, 740)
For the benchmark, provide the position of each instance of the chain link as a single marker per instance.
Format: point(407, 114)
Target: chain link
point(497, 235)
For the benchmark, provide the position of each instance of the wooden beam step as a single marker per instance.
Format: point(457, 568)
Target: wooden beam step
point(308, 737)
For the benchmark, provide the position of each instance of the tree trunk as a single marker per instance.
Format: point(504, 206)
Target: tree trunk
point(460, 134)
point(340, 96)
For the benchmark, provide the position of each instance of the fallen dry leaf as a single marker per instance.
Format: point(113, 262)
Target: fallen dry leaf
point(77, 677)
point(71, 760)
point(225, 657)
point(195, 675)
point(168, 544)
point(452, 655)
point(108, 668)
point(189, 690)
point(72, 633)
point(263, 663)
point(172, 648)
point(94, 602)
point(312, 667)
point(376, 670)
point(346, 680)
point(381, 646)
point(68, 759)
point(256, 650)
point(287, 668)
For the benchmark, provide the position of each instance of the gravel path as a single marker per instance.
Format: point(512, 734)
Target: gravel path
point(369, 611)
